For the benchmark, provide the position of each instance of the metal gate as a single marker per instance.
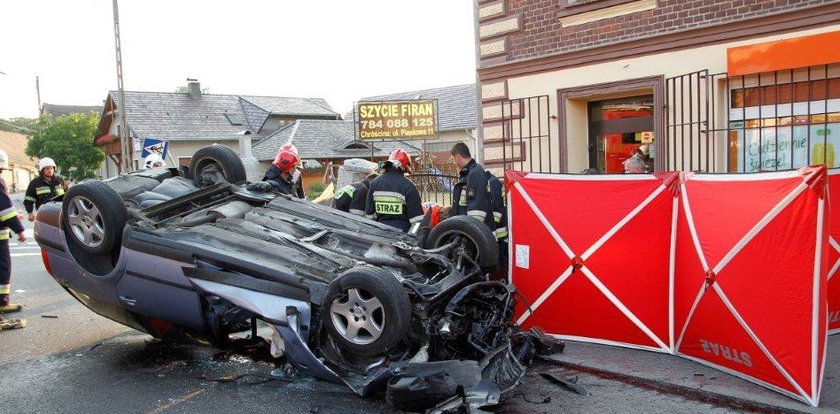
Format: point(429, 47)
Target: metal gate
point(527, 144)
point(749, 123)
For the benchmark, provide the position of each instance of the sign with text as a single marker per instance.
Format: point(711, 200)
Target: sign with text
point(397, 119)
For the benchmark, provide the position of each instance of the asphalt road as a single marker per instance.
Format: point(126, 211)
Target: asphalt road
point(70, 360)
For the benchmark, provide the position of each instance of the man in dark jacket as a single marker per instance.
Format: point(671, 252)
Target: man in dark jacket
point(497, 197)
point(282, 176)
point(352, 197)
point(8, 220)
point(471, 196)
point(46, 186)
point(392, 199)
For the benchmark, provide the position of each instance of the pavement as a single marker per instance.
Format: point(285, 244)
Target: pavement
point(680, 376)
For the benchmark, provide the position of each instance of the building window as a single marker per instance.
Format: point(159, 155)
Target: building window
point(787, 124)
point(233, 119)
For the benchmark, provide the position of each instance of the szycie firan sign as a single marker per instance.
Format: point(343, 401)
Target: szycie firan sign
point(397, 119)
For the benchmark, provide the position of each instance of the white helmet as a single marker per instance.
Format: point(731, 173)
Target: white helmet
point(45, 162)
point(154, 160)
point(4, 160)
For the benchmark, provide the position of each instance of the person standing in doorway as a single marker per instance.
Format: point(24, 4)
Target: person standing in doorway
point(46, 186)
point(8, 220)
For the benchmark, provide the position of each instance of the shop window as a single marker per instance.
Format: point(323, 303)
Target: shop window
point(620, 129)
point(785, 126)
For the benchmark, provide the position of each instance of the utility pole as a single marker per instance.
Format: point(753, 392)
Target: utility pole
point(38, 91)
point(125, 148)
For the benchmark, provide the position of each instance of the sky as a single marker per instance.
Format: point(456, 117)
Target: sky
point(338, 50)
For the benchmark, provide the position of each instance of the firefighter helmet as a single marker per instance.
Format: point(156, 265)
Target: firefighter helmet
point(45, 162)
point(154, 160)
point(286, 160)
point(401, 160)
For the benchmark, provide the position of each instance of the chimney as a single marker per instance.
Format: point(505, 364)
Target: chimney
point(195, 88)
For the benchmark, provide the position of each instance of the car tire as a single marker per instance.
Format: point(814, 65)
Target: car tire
point(481, 243)
point(93, 217)
point(225, 158)
point(366, 311)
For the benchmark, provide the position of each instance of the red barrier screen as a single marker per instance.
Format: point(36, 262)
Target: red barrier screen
point(727, 270)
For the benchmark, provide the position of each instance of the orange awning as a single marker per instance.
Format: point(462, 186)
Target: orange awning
point(819, 49)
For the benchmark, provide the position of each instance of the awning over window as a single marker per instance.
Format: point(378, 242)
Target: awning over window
point(819, 49)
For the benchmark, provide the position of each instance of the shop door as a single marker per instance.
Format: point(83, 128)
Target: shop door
point(619, 128)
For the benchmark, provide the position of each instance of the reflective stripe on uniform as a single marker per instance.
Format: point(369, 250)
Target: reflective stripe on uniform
point(5, 289)
point(8, 213)
point(416, 219)
point(28, 198)
point(5, 234)
point(501, 233)
point(478, 214)
point(497, 216)
point(388, 203)
point(42, 190)
point(59, 191)
point(463, 200)
point(357, 212)
point(347, 189)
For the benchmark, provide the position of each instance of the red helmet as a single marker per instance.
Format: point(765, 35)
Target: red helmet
point(286, 160)
point(401, 160)
point(289, 146)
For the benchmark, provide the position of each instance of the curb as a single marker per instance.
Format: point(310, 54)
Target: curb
point(705, 396)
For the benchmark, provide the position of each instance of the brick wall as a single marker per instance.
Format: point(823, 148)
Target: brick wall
point(540, 32)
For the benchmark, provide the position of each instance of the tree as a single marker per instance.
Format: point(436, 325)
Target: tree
point(69, 141)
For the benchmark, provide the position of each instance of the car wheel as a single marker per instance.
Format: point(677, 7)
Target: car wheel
point(93, 216)
point(366, 311)
point(223, 158)
point(471, 240)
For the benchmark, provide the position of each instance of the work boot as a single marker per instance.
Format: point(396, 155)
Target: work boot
point(12, 307)
point(12, 324)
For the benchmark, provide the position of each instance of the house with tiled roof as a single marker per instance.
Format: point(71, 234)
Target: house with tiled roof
point(22, 169)
point(55, 111)
point(191, 120)
point(321, 143)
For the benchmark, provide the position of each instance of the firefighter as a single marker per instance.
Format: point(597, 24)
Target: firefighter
point(8, 220)
point(154, 161)
point(497, 199)
point(297, 177)
point(352, 197)
point(281, 176)
point(471, 196)
point(44, 187)
point(392, 199)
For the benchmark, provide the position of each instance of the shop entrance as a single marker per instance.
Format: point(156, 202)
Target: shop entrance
point(618, 129)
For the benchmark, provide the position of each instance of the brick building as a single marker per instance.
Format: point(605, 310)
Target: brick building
point(722, 86)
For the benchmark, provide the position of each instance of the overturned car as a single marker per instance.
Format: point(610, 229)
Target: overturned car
point(192, 254)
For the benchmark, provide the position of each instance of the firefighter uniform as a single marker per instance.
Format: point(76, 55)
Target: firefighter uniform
point(292, 186)
point(352, 198)
point(8, 220)
point(497, 197)
point(394, 200)
point(41, 190)
point(471, 196)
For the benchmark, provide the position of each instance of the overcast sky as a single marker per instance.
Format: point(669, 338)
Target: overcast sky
point(338, 50)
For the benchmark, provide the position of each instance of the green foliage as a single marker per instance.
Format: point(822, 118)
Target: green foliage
point(69, 141)
point(20, 125)
point(315, 189)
